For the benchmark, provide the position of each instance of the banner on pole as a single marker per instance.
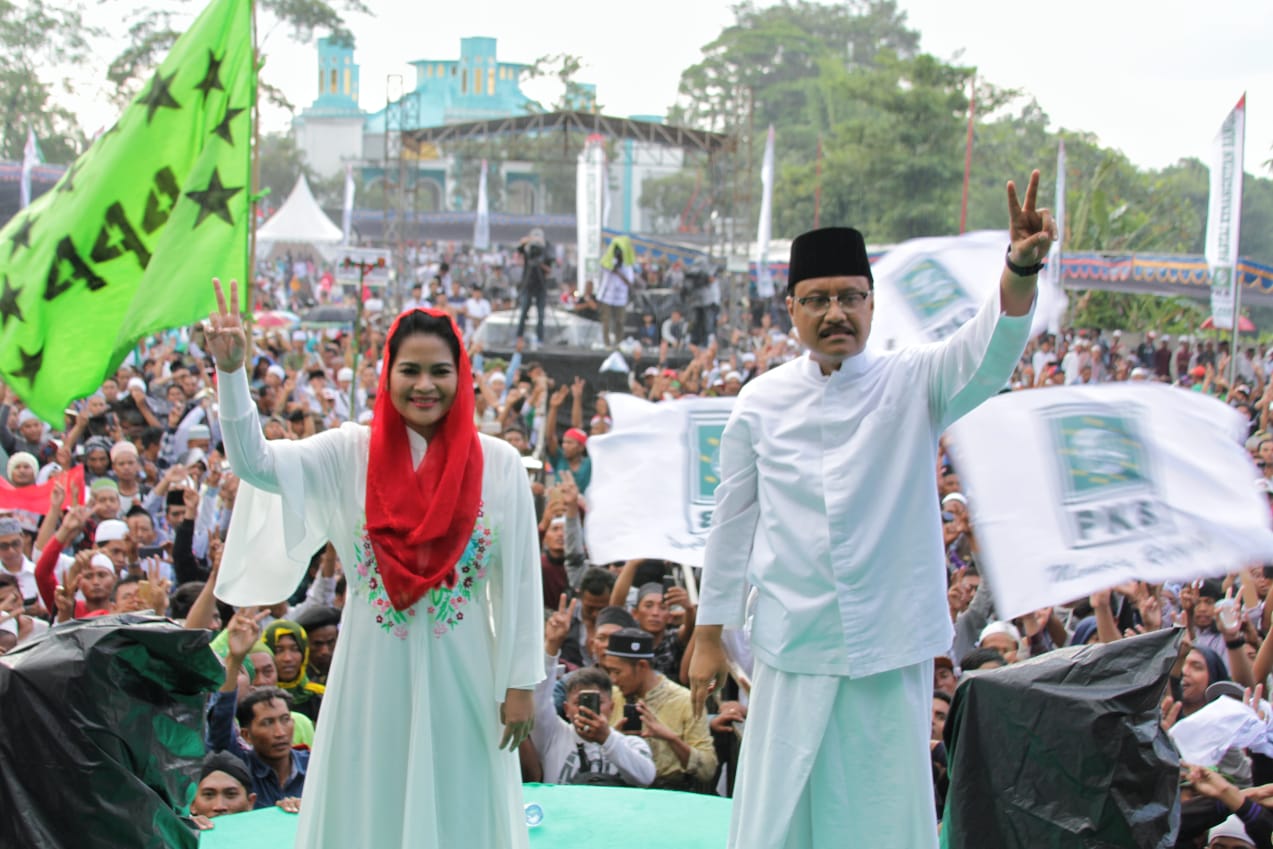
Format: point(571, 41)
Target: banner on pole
point(1224, 214)
point(482, 223)
point(1106, 484)
point(347, 212)
point(589, 200)
point(764, 280)
point(662, 512)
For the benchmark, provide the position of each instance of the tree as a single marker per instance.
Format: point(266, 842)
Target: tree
point(34, 37)
point(152, 31)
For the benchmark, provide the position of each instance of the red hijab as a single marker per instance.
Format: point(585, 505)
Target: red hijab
point(420, 520)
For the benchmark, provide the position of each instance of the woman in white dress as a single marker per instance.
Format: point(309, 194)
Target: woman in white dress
point(441, 635)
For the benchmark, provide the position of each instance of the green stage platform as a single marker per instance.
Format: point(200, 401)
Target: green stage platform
point(574, 817)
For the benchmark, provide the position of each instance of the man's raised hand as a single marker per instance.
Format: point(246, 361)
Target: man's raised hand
point(1031, 231)
point(227, 341)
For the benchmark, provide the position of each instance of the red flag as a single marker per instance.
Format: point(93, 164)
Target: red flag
point(35, 498)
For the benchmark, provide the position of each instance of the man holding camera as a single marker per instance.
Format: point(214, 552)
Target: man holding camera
point(583, 748)
point(684, 756)
point(828, 507)
point(537, 260)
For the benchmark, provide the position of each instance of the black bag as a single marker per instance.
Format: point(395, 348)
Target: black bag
point(1065, 751)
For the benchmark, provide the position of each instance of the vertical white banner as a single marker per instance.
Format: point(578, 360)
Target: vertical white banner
point(1224, 214)
point(764, 280)
point(30, 158)
point(347, 211)
point(589, 190)
point(1057, 315)
point(482, 223)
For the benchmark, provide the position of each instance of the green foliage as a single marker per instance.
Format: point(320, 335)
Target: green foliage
point(152, 32)
point(34, 36)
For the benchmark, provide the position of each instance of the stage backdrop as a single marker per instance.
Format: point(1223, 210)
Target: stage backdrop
point(1077, 489)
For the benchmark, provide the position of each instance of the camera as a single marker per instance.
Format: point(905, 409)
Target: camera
point(590, 699)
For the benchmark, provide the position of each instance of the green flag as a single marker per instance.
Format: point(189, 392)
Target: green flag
point(127, 242)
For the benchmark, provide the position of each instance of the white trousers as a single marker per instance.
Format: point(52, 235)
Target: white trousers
point(830, 762)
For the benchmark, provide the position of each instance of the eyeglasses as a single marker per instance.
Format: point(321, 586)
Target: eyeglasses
point(11, 545)
point(849, 300)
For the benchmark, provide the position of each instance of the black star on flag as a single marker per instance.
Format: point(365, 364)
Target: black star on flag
point(212, 78)
point(214, 200)
point(68, 179)
point(223, 129)
point(21, 237)
point(30, 365)
point(9, 305)
point(159, 95)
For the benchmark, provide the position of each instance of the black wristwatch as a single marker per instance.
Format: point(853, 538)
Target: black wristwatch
point(1021, 270)
point(1235, 644)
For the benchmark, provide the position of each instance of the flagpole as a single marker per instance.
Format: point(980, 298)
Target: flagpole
point(254, 167)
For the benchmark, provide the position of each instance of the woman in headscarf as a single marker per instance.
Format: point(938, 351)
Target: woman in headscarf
point(290, 645)
point(441, 640)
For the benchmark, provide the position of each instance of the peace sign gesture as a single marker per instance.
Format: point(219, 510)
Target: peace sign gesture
point(227, 341)
point(1031, 231)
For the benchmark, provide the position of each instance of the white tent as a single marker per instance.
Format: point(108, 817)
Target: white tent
point(300, 220)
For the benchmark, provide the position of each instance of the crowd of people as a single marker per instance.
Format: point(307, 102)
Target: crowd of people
point(617, 638)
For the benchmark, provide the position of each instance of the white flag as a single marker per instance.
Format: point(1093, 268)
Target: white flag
point(30, 159)
point(1053, 273)
point(1105, 484)
point(482, 223)
point(925, 289)
point(589, 188)
point(1224, 214)
point(347, 215)
point(764, 280)
point(675, 498)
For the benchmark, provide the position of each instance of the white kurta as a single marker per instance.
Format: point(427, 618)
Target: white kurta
point(828, 507)
point(406, 752)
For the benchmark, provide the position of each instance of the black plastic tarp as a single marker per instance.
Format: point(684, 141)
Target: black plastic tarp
point(1065, 751)
point(101, 733)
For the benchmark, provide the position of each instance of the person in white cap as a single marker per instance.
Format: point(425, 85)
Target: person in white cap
point(1230, 834)
point(32, 436)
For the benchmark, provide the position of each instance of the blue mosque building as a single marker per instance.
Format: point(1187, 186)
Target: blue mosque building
point(334, 131)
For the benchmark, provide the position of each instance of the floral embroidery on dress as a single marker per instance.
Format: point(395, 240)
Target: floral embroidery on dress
point(444, 607)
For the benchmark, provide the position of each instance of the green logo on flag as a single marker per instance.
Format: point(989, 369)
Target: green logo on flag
point(127, 242)
point(936, 297)
point(1106, 483)
point(704, 434)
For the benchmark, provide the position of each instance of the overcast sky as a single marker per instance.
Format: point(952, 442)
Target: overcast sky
point(1154, 80)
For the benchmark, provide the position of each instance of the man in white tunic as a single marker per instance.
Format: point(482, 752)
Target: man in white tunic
point(828, 507)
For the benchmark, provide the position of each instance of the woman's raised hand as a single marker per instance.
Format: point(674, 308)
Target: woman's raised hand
point(227, 341)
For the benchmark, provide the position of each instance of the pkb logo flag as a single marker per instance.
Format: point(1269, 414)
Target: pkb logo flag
point(1107, 484)
point(703, 466)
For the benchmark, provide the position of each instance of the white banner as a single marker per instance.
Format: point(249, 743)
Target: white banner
point(1052, 274)
point(30, 158)
point(589, 190)
point(764, 280)
point(1224, 214)
point(1104, 484)
point(482, 223)
point(347, 211)
point(654, 479)
point(925, 289)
